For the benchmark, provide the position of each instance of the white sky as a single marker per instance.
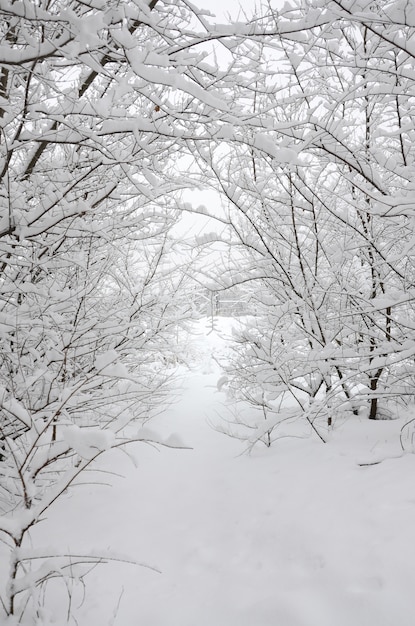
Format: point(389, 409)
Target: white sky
point(221, 8)
point(193, 224)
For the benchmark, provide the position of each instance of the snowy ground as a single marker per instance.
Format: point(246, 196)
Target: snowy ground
point(296, 535)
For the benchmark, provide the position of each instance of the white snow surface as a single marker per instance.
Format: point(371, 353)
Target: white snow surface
point(87, 441)
point(295, 535)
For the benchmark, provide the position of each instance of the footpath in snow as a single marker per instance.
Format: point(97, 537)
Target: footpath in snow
point(295, 535)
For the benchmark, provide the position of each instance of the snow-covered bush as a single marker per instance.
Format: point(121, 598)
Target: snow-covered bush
point(96, 101)
point(319, 212)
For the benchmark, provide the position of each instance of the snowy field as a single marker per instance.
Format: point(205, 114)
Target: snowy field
point(298, 534)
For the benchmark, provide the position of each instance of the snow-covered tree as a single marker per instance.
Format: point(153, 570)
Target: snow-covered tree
point(321, 205)
point(101, 105)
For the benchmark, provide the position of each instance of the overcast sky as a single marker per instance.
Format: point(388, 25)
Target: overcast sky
point(193, 224)
point(222, 7)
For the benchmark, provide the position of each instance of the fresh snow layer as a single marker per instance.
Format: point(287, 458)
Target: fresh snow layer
point(298, 534)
